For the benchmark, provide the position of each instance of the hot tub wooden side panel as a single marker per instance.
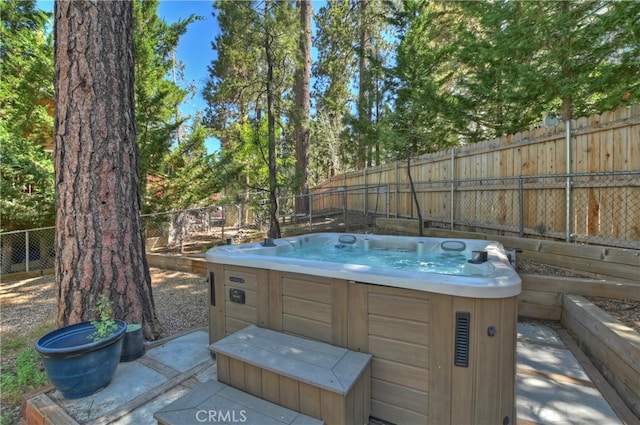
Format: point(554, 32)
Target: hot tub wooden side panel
point(411, 335)
point(227, 316)
point(393, 325)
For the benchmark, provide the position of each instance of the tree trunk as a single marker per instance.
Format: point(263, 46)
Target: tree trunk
point(302, 106)
point(414, 195)
point(364, 109)
point(100, 248)
point(274, 225)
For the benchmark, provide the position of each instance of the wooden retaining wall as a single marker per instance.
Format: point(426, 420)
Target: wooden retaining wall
point(179, 263)
point(162, 261)
point(542, 296)
point(598, 262)
point(611, 346)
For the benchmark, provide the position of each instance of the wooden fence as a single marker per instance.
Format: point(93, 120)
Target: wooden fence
point(582, 183)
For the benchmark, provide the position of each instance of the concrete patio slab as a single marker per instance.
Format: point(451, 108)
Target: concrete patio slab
point(552, 386)
point(547, 401)
point(549, 360)
point(121, 390)
point(182, 353)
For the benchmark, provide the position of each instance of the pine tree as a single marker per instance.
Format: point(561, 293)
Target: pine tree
point(252, 78)
point(302, 105)
point(100, 247)
point(157, 97)
point(26, 112)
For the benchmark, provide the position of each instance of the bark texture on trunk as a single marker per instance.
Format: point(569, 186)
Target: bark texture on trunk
point(100, 247)
point(274, 225)
point(303, 106)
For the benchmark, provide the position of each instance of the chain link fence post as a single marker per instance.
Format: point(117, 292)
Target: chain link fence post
point(521, 206)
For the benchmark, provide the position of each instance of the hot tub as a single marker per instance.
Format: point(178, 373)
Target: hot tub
point(438, 315)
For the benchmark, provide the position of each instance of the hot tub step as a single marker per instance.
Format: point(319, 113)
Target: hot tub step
point(315, 378)
point(215, 402)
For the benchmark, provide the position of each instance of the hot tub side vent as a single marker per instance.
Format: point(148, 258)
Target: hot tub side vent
point(463, 326)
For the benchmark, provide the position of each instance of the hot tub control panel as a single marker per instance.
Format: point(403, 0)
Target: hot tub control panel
point(236, 295)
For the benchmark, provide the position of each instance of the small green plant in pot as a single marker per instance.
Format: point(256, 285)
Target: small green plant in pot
point(104, 323)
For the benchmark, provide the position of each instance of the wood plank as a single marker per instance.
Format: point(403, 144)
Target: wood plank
point(289, 394)
point(601, 253)
point(42, 410)
point(398, 329)
point(488, 390)
point(307, 309)
point(349, 403)
point(403, 352)
point(399, 395)
point(366, 392)
point(275, 300)
point(270, 386)
point(332, 407)
point(240, 276)
point(236, 373)
point(307, 328)
point(633, 153)
point(339, 312)
point(318, 290)
point(537, 311)
point(400, 307)
point(234, 325)
point(540, 298)
point(253, 379)
point(387, 290)
point(616, 270)
point(409, 376)
point(621, 339)
point(441, 359)
point(309, 400)
point(223, 368)
point(587, 287)
point(241, 312)
point(358, 328)
point(395, 414)
point(262, 301)
point(509, 336)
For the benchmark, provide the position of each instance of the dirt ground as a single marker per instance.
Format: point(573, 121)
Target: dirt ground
point(28, 308)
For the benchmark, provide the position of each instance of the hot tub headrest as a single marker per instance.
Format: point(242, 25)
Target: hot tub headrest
point(453, 246)
point(350, 239)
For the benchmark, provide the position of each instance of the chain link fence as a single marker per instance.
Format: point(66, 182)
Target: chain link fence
point(27, 250)
point(593, 208)
point(596, 208)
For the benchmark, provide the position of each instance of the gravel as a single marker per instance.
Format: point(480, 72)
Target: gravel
point(180, 300)
point(626, 311)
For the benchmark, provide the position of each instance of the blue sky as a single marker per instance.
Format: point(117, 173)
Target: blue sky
point(194, 48)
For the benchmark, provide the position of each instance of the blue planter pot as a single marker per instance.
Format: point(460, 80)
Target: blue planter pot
point(77, 366)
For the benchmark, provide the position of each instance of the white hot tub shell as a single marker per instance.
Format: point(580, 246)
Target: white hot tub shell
point(443, 345)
